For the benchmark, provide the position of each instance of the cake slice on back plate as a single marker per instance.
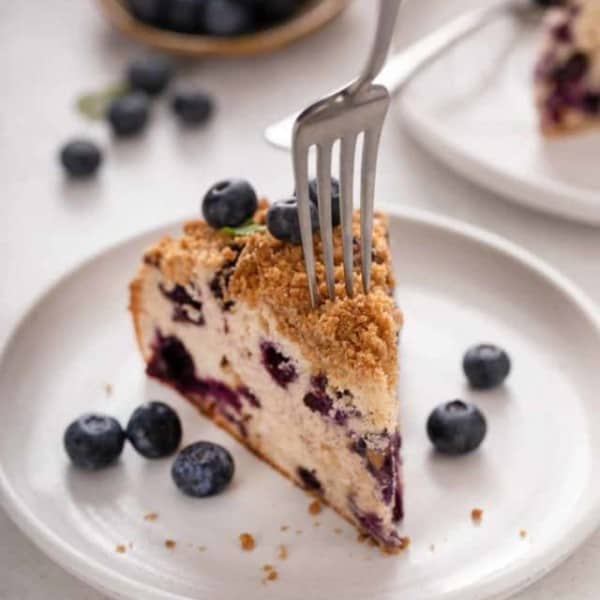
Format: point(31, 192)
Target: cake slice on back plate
point(567, 78)
point(226, 320)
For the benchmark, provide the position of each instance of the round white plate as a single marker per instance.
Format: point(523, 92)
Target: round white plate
point(536, 471)
point(473, 109)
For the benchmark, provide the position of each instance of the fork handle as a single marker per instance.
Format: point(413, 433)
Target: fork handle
point(388, 12)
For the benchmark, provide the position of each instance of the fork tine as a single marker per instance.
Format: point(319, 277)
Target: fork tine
point(324, 194)
point(369, 164)
point(300, 158)
point(348, 153)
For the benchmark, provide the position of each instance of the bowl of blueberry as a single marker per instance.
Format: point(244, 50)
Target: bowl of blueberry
point(219, 27)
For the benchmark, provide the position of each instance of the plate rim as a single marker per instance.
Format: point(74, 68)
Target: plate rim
point(544, 195)
point(96, 574)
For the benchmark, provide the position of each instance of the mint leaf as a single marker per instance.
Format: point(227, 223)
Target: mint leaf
point(247, 228)
point(93, 105)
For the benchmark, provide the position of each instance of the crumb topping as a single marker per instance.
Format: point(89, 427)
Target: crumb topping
point(354, 338)
point(247, 541)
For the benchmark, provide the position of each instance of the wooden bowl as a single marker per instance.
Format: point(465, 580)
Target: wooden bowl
point(314, 15)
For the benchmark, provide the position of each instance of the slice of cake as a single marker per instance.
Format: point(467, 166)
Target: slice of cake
point(567, 78)
point(226, 320)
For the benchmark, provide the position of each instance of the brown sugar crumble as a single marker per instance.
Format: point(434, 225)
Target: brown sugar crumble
point(282, 552)
point(152, 516)
point(170, 544)
point(314, 508)
point(247, 542)
point(121, 548)
point(523, 534)
point(477, 515)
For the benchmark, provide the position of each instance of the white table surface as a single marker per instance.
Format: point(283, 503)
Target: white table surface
point(51, 51)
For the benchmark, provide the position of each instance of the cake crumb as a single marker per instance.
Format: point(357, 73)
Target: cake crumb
point(432, 547)
point(314, 508)
point(337, 530)
point(120, 548)
point(202, 548)
point(271, 574)
point(284, 528)
point(152, 516)
point(404, 543)
point(523, 533)
point(108, 389)
point(247, 541)
point(477, 515)
point(170, 544)
point(282, 552)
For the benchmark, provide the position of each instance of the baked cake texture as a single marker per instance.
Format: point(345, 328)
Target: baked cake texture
point(226, 320)
point(567, 77)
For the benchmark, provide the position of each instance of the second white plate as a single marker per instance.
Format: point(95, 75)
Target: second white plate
point(536, 471)
point(474, 110)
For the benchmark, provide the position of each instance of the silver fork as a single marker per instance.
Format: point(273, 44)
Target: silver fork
point(359, 108)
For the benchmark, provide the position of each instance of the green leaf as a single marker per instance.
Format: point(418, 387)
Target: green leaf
point(247, 228)
point(93, 105)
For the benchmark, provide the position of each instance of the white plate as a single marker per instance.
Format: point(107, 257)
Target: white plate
point(474, 110)
point(536, 471)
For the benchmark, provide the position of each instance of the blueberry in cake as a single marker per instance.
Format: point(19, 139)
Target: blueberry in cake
point(567, 78)
point(223, 316)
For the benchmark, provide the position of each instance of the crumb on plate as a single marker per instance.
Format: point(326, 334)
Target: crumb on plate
point(170, 544)
point(284, 528)
point(247, 541)
point(120, 548)
point(108, 389)
point(523, 533)
point(282, 552)
point(314, 508)
point(151, 516)
point(202, 548)
point(477, 515)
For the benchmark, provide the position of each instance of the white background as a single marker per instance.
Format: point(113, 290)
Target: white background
point(52, 51)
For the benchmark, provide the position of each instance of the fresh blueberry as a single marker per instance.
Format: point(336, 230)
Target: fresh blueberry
point(272, 11)
point(226, 18)
point(203, 469)
point(456, 427)
point(283, 222)
point(335, 198)
point(150, 74)
point(154, 430)
point(184, 16)
point(229, 203)
point(148, 11)
point(128, 115)
point(94, 441)
point(193, 107)
point(81, 158)
point(486, 366)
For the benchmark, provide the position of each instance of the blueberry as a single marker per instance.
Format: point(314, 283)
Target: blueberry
point(229, 203)
point(283, 222)
point(81, 158)
point(202, 469)
point(150, 74)
point(456, 427)
point(486, 366)
point(128, 115)
point(148, 11)
point(154, 430)
point(184, 16)
point(226, 18)
point(272, 11)
point(335, 198)
point(192, 107)
point(94, 441)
